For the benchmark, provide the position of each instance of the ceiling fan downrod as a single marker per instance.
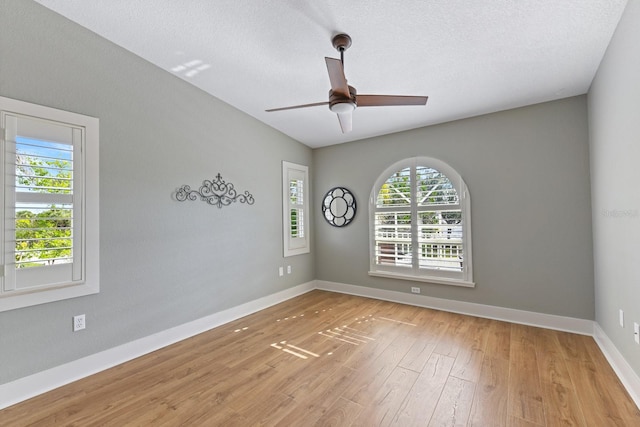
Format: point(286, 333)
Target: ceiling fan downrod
point(341, 42)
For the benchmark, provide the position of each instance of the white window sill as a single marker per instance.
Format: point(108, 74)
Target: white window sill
point(426, 279)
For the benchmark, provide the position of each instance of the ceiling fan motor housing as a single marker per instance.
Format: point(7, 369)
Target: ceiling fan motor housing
point(341, 104)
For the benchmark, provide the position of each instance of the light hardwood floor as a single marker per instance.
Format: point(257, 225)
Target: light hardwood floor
point(329, 359)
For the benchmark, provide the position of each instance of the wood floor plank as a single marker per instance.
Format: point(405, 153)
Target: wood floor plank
point(316, 402)
point(628, 410)
point(499, 339)
point(457, 326)
point(561, 401)
point(407, 314)
point(301, 379)
point(429, 333)
point(454, 405)
point(525, 396)
point(421, 401)
point(383, 406)
point(472, 349)
point(468, 364)
point(519, 422)
point(373, 374)
point(418, 355)
point(342, 413)
point(599, 407)
point(242, 392)
point(373, 336)
point(574, 346)
point(489, 406)
point(222, 416)
point(268, 410)
point(349, 361)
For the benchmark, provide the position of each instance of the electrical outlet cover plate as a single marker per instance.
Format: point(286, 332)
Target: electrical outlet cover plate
point(78, 322)
point(636, 332)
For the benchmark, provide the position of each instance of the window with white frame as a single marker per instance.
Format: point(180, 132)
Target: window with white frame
point(49, 181)
point(295, 208)
point(420, 226)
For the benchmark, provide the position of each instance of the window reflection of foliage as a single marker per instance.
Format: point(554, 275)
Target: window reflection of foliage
point(294, 223)
point(434, 188)
point(51, 176)
point(396, 190)
point(46, 236)
point(452, 217)
point(296, 191)
point(429, 218)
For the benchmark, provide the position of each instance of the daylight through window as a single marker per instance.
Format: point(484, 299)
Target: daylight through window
point(420, 223)
point(44, 203)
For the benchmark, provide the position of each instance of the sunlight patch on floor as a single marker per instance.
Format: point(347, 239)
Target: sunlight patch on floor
point(283, 344)
point(344, 333)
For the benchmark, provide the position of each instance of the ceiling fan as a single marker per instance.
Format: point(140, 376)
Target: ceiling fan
point(343, 99)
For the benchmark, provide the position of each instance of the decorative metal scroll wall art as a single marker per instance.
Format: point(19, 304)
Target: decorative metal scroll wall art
point(339, 206)
point(216, 192)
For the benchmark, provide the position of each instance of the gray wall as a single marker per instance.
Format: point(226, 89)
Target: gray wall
point(528, 175)
point(614, 120)
point(163, 263)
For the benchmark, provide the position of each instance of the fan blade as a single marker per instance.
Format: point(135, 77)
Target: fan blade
point(382, 100)
point(298, 106)
point(337, 78)
point(345, 121)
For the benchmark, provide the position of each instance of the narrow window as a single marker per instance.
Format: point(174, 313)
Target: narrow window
point(295, 195)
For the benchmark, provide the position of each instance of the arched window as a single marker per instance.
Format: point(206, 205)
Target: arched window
point(420, 226)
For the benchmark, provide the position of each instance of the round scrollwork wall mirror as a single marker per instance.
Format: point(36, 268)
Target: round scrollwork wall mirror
point(339, 206)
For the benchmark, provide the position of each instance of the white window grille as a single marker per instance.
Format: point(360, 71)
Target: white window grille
point(420, 228)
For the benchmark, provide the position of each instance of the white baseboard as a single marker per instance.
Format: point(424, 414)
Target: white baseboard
point(627, 375)
point(548, 321)
point(41, 382)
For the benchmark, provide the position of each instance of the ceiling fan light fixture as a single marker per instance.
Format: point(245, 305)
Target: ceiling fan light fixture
point(342, 107)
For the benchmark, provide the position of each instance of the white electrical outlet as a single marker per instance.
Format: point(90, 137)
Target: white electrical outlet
point(281, 271)
point(621, 315)
point(79, 323)
point(288, 269)
point(636, 332)
point(415, 290)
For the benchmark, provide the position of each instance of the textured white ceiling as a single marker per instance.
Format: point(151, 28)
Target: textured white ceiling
point(470, 57)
